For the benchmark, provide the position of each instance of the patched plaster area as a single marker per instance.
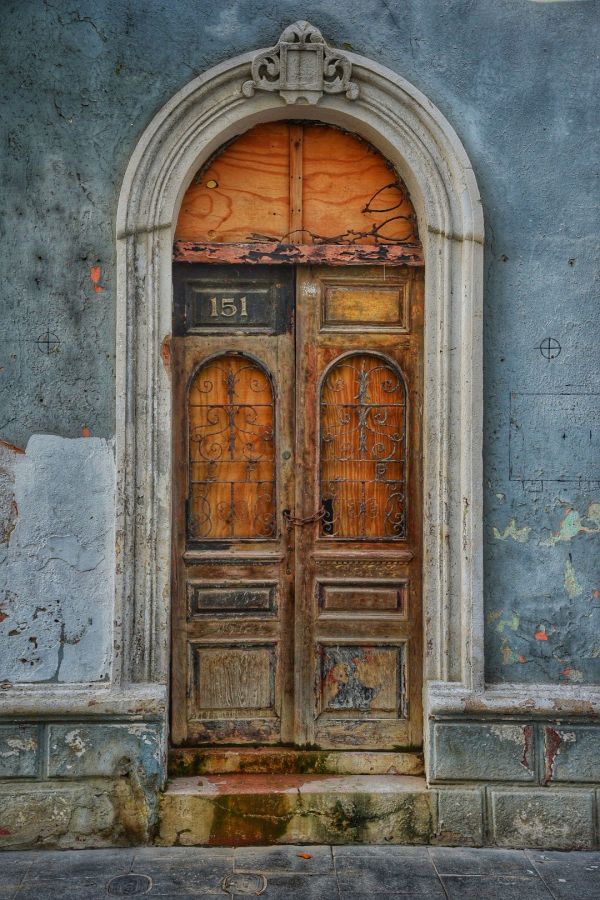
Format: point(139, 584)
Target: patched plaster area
point(57, 562)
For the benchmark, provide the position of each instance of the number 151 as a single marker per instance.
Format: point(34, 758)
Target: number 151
point(227, 306)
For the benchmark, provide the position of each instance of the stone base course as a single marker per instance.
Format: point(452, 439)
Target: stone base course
point(98, 813)
point(549, 819)
point(101, 783)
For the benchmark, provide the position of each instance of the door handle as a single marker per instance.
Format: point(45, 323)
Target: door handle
point(293, 521)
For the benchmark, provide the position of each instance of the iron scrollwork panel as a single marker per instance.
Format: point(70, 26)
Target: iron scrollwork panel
point(363, 444)
point(231, 451)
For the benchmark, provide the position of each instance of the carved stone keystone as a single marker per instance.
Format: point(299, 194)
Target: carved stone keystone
point(301, 68)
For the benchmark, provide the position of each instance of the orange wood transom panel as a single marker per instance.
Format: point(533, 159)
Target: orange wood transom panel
point(298, 184)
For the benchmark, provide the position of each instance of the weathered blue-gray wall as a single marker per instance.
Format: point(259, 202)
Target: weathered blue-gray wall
point(517, 80)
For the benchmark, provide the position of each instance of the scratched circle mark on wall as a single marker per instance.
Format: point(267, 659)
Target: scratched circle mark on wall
point(244, 883)
point(549, 348)
point(129, 885)
point(48, 343)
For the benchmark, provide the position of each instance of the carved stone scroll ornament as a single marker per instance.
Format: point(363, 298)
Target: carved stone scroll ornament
point(301, 68)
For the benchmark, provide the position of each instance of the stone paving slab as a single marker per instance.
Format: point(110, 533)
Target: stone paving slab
point(495, 887)
point(568, 875)
point(354, 872)
point(461, 861)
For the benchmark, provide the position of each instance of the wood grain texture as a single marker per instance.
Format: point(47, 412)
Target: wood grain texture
point(243, 190)
point(351, 192)
point(297, 184)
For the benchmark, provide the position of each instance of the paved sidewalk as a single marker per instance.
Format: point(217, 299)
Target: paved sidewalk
point(302, 873)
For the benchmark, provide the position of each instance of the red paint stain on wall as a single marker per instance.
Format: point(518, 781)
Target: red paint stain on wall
point(11, 447)
point(95, 275)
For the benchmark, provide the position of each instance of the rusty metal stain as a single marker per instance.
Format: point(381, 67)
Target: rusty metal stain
point(527, 744)
point(553, 744)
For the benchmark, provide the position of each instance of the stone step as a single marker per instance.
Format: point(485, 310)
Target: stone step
point(236, 810)
point(290, 761)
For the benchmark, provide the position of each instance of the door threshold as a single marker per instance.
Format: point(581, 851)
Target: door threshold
point(187, 762)
point(237, 810)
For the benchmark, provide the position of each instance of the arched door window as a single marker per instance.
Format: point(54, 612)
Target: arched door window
point(231, 450)
point(363, 449)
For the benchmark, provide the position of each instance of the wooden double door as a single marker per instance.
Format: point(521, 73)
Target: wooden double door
point(297, 506)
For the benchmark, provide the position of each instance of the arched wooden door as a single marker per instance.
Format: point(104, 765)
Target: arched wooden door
point(297, 442)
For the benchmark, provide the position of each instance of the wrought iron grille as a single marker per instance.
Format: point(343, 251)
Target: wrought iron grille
point(231, 451)
point(363, 449)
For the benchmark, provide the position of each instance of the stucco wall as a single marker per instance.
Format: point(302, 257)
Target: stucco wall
point(516, 80)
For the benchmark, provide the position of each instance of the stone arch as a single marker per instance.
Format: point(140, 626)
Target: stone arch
point(407, 128)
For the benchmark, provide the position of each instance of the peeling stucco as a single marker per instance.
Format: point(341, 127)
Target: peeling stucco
point(521, 535)
point(574, 524)
point(572, 586)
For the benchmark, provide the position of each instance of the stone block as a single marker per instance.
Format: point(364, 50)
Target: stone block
point(19, 749)
point(552, 819)
point(63, 815)
point(105, 750)
point(572, 753)
point(460, 817)
point(482, 752)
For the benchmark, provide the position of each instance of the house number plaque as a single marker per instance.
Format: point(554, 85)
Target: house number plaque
point(216, 299)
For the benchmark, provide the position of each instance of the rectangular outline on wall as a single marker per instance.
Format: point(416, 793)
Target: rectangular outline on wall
point(564, 480)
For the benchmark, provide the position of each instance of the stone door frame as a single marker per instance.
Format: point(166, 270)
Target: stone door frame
point(408, 129)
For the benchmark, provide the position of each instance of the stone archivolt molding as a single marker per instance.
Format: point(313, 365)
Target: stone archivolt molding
point(414, 136)
point(301, 67)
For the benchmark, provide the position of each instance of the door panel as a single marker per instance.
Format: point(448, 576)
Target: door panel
point(358, 566)
point(297, 514)
point(233, 375)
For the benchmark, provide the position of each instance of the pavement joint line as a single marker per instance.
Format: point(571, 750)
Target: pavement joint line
point(529, 854)
point(431, 858)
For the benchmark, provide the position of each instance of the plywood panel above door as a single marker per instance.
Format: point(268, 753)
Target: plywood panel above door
point(244, 189)
point(299, 184)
